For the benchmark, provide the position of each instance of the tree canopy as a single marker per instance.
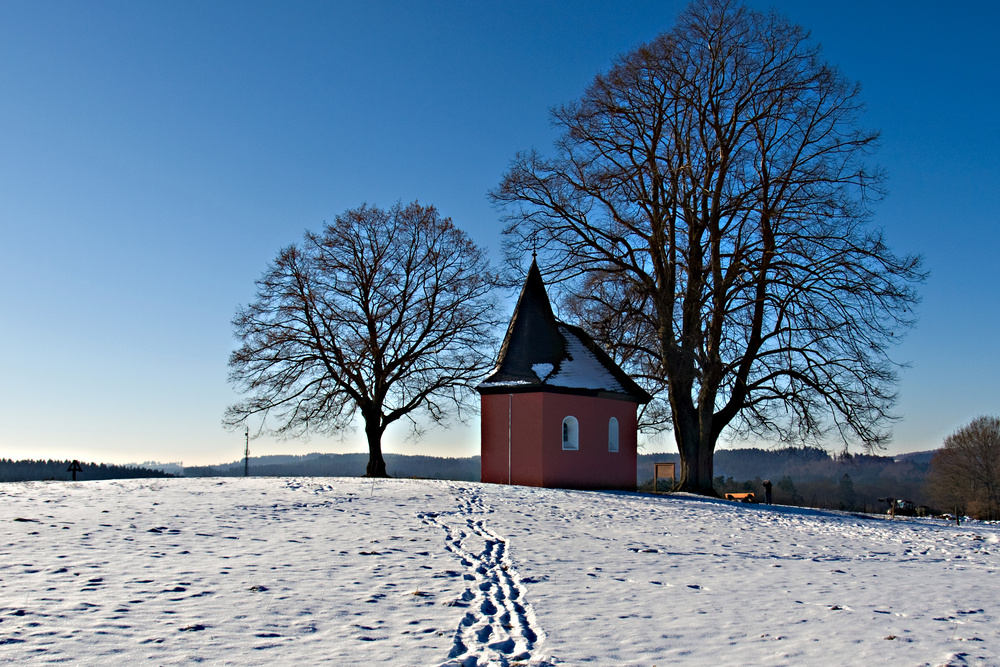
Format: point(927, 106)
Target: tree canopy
point(708, 209)
point(965, 473)
point(386, 313)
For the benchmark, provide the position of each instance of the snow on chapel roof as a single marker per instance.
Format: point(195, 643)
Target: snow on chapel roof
point(540, 352)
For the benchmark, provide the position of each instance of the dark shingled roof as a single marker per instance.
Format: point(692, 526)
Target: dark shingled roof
point(541, 353)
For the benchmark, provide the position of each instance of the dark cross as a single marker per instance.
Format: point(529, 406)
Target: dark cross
point(246, 453)
point(74, 468)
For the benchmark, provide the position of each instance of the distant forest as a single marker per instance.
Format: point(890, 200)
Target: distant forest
point(811, 477)
point(30, 470)
point(808, 477)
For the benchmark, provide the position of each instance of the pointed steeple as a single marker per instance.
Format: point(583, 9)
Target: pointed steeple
point(541, 353)
point(533, 336)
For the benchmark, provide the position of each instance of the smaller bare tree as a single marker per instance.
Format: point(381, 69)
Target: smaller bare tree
point(386, 313)
point(965, 473)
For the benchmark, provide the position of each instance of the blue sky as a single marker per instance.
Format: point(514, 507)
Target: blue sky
point(155, 156)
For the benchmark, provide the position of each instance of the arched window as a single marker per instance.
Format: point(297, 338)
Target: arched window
point(570, 433)
point(613, 435)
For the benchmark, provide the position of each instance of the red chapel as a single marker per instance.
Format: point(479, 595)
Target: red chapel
point(556, 410)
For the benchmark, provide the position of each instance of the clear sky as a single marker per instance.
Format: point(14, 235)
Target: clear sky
point(154, 156)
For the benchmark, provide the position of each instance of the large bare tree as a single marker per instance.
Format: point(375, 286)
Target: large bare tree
point(965, 473)
point(385, 312)
point(708, 208)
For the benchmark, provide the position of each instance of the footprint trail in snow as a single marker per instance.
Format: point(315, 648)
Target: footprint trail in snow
point(500, 627)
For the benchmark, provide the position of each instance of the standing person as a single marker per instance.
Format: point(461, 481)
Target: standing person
point(767, 491)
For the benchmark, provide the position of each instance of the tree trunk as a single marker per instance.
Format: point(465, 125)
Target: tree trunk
point(376, 464)
point(697, 462)
point(695, 442)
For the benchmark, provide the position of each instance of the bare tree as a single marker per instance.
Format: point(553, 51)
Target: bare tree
point(707, 207)
point(965, 473)
point(386, 313)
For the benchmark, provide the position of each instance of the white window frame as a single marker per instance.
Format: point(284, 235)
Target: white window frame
point(613, 434)
point(570, 433)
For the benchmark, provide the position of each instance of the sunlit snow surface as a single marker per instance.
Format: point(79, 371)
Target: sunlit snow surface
point(412, 572)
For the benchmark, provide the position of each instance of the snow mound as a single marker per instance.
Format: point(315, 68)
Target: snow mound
point(542, 370)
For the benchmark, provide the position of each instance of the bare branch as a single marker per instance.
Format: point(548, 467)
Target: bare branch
point(707, 212)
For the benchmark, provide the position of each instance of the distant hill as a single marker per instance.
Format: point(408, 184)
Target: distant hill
point(805, 463)
point(175, 468)
point(345, 465)
point(918, 458)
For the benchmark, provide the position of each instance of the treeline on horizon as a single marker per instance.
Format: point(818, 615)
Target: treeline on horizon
point(28, 470)
point(804, 476)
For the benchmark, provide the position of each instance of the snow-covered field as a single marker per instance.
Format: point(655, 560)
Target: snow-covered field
point(414, 572)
